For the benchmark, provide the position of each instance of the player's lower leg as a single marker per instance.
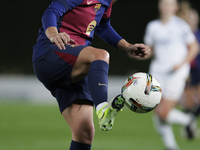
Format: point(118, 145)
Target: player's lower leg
point(98, 84)
point(166, 132)
point(176, 116)
point(197, 111)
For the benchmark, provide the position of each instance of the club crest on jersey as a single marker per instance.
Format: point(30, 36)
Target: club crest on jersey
point(97, 8)
point(91, 27)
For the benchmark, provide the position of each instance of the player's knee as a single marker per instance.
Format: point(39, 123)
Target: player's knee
point(88, 135)
point(101, 54)
point(162, 114)
point(85, 134)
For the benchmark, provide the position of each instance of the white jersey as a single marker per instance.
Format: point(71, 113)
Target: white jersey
point(169, 42)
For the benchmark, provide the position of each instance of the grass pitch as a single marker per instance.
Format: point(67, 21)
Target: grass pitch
point(25, 126)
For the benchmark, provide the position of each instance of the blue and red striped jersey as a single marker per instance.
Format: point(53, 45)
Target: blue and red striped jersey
point(80, 19)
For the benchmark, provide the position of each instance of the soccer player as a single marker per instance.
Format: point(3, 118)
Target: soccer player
point(75, 73)
point(169, 37)
point(193, 21)
point(192, 91)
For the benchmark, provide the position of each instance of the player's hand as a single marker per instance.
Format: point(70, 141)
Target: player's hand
point(61, 40)
point(178, 66)
point(140, 50)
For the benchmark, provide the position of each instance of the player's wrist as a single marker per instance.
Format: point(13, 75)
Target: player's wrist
point(124, 45)
point(51, 32)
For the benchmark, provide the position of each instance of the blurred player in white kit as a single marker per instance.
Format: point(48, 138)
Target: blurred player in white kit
point(170, 37)
point(191, 97)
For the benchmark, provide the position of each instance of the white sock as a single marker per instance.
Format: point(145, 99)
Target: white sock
point(176, 116)
point(166, 133)
point(168, 136)
point(100, 105)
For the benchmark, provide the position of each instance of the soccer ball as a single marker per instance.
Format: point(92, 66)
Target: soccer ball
point(142, 92)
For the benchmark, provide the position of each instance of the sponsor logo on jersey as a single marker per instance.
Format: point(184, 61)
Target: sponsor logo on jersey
point(97, 8)
point(91, 27)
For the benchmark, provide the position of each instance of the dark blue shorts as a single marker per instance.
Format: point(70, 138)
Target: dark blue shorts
point(54, 68)
point(195, 76)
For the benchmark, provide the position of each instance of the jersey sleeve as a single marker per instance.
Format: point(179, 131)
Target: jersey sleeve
point(106, 32)
point(148, 37)
point(55, 10)
point(63, 2)
point(188, 35)
point(52, 14)
point(107, 13)
point(69, 4)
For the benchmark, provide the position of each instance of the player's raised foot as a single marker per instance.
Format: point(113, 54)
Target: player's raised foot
point(107, 113)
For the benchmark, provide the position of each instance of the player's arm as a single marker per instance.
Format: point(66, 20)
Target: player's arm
point(106, 32)
point(49, 22)
point(149, 39)
point(193, 50)
point(60, 39)
point(193, 46)
point(109, 35)
point(136, 50)
point(149, 55)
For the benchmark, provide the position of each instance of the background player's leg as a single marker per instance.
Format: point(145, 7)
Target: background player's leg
point(166, 132)
point(197, 112)
point(80, 120)
point(164, 108)
point(162, 126)
point(168, 115)
point(189, 101)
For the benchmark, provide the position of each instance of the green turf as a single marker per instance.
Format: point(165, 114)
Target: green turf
point(41, 127)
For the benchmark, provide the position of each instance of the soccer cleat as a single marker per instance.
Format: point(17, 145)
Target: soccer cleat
point(197, 112)
point(190, 131)
point(108, 112)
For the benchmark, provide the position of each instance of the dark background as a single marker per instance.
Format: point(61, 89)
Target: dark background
point(21, 19)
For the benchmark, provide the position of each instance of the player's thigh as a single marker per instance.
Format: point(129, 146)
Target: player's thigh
point(172, 86)
point(164, 108)
point(188, 101)
point(55, 65)
point(85, 57)
point(89, 54)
